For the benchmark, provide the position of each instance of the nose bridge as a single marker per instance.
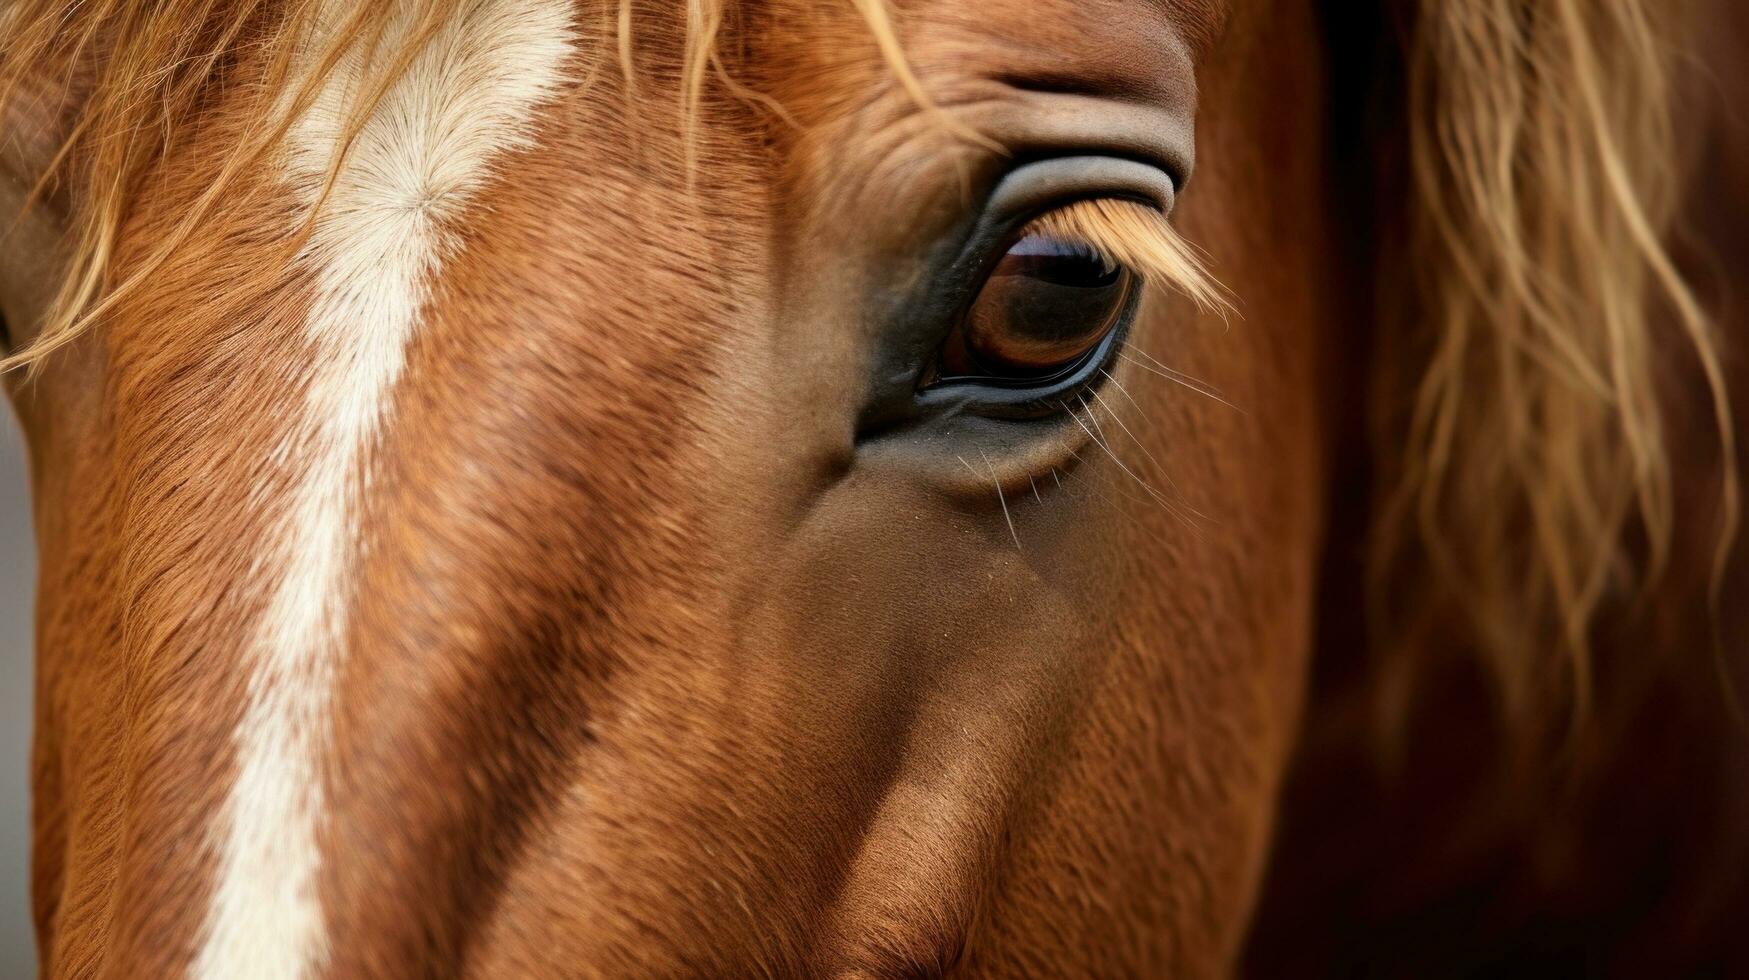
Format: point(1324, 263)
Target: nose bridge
point(935, 841)
point(527, 574)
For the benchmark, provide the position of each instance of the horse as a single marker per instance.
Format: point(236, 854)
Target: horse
point(568, 488)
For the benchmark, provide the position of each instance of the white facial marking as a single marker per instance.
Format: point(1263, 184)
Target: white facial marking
point(426, 150)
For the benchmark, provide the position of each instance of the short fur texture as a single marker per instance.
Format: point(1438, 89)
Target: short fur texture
point(1544, 184)
point(463, 101)
point(472, 540)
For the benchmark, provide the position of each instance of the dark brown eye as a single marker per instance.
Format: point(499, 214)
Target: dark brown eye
point(1045, 307)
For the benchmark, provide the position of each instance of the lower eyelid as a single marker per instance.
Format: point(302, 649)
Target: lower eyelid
point(1055, 400)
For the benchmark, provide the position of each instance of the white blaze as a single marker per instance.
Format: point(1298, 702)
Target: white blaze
point(427, 148)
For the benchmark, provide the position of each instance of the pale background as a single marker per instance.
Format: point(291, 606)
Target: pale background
point(17, 575)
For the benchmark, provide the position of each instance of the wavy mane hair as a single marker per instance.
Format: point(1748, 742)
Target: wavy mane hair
point(1519, 433)
point(1528, 482)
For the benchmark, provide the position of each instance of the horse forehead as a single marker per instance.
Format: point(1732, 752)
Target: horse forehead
point(820, 64)
point(1079, 36)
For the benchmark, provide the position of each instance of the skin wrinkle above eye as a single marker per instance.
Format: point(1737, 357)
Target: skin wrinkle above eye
point(930, 174)
point(1038, 122)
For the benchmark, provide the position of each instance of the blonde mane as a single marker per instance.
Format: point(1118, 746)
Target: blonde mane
point(1545, 178)
point(1544, 181)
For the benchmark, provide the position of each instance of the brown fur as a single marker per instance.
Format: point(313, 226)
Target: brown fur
point(656, 669)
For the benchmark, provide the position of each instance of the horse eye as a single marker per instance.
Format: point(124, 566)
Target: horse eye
point(1042, 311)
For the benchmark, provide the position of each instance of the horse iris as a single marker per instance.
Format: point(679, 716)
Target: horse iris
point(1045, 306)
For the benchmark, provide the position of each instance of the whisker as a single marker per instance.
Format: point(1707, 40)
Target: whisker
point(1180, 378)
point(1161, 498)
point(1137, 350)
point(1090, 480)
point(1001, 499)
point(1163, 471)
point(1133, 351)
point(1091, 417)
point(1140, 411)
point(1121, 389)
